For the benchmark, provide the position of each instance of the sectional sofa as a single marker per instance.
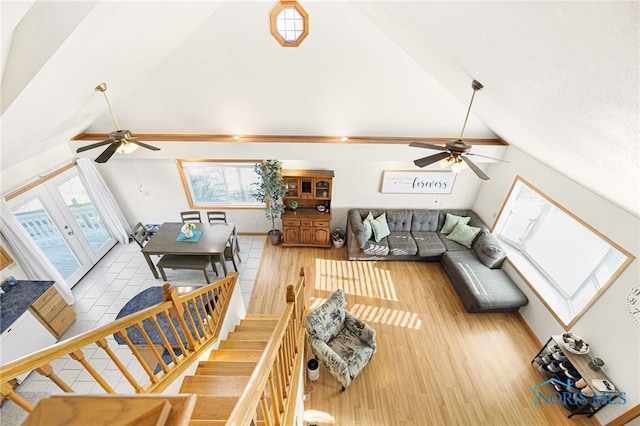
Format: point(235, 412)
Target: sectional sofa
point(468, 252)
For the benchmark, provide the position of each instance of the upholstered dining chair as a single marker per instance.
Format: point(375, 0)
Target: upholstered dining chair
point(216, 216)
point(192, 216)
point(140, 234)
point(340, 340)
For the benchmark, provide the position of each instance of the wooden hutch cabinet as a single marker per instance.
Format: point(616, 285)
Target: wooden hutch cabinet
point(306, 225)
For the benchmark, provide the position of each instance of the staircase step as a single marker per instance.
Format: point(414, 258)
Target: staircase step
point(235, 355)
point(250, 335)
point(215, 408)
point(231, 386)
point(243, 344)
point(260, 322)
point(225, 368)
point(262, 317)
point(254, 327)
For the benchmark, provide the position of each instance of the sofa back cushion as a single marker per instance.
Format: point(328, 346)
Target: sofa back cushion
point(424, 221)
point(399, 220)
point(489, 251)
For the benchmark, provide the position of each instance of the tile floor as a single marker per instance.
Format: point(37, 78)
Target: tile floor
point(100, 295)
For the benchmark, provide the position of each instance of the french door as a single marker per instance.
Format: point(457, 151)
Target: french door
point(60, 217)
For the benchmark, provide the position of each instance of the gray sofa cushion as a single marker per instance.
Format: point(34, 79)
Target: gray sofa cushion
point(380, 248)
point(355, 218)
point(489, 251)
point(429, 245)
point(481, 289)
point(425, 221)
point(401, 244)
point(399, 220)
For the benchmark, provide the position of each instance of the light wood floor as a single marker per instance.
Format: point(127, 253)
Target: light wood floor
point(436, 364)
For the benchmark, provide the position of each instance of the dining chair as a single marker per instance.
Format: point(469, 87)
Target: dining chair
point(192, 216)
point(140, 234)
point(216, 216)
point(181, 261)
point(231, 252)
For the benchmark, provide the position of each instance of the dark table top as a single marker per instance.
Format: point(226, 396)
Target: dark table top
point(213, 240)
point(17, 299)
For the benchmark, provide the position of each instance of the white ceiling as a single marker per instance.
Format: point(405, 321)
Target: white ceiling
point(561, 78)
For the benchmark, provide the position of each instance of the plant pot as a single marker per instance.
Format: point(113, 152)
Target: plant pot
point(275, 237)
point(338, 243)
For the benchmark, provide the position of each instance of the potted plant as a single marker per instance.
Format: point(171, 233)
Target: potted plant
point(338, 237)
point(271, 189)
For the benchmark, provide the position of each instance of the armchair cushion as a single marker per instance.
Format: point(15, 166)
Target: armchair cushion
point(341, 341)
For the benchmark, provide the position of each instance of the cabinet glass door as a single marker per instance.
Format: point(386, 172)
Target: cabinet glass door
point(322, 189)
point(293, 187)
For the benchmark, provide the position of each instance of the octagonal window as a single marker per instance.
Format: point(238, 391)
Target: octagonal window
point(289, 23)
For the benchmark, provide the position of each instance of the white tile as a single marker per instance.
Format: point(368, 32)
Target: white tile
point(250, 274)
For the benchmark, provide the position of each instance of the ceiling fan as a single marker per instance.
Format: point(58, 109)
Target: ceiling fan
point(119, 141)
point(456, 151)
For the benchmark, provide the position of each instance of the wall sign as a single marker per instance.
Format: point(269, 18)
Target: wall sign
point(417, 182)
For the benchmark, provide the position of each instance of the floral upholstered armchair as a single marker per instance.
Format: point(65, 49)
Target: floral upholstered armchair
point(343, 342)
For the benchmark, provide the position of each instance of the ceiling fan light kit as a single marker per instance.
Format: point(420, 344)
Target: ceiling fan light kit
point(120, 141)
point(455, 152)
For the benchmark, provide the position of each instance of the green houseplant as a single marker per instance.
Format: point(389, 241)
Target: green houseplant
point(271, 189)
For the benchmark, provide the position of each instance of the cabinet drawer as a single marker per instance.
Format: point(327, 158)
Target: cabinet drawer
point(321, 223)
point(51, 308)
point(306, 223)
point(63, 320)
point(46, 297)
point(289, 222)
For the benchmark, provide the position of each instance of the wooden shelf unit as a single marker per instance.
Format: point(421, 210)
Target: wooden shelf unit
point(306, 226)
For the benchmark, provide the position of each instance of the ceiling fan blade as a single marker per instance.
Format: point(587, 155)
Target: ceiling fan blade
point(144, 145)
point(486, 156)
point(93, 145)
point(475, 168)
point(425, 161)
point(107, 153)
point(428, 146)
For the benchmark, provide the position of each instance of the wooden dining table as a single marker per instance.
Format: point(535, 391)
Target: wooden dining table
point(212, 242)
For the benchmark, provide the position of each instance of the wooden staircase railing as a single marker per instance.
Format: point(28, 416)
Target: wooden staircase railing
point(253, 377)
point(194, 321)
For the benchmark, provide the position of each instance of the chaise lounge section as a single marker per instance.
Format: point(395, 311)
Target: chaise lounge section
point(468, 252)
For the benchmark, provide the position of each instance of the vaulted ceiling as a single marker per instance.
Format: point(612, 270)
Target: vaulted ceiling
point(561, 78)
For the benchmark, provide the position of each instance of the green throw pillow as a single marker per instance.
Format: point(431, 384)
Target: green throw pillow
point(463, 234)
point(380, 227)
point(368, 232)
point(452, 221)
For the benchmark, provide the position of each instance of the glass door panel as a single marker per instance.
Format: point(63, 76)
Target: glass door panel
point(38, 223)
point(77, 200)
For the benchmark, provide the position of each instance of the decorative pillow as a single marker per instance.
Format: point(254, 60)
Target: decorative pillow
point(451, 222)
point(380, 227)
point(368, 231)
point(464, 234)
point(327, 320)
point(489, 251)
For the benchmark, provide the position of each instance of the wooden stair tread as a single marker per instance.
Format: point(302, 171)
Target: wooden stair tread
point(215, 408)
point(250, 335)
point(225, 368)
point(243, 344)
point(231, 386)
point(254, 327)
point(235, 355)
point(259, 322)
point(262, 317)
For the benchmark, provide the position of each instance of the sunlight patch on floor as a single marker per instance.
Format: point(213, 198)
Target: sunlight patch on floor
point(357, 278)
point(368, 313)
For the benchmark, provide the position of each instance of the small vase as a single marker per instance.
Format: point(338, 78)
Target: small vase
point(188, 233)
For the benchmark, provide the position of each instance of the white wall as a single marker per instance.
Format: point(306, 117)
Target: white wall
point(150, 190)
point(606, 326)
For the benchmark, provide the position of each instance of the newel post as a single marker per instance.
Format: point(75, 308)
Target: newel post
point(170, 294)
